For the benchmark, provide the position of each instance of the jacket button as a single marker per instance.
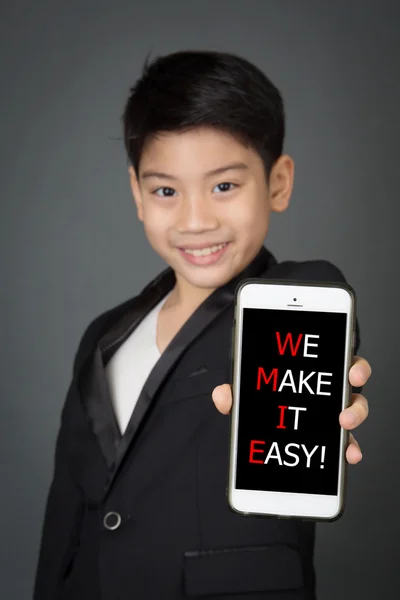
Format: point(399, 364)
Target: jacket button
point(112, 520)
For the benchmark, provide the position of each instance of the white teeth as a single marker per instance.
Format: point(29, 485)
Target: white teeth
point(205, 251)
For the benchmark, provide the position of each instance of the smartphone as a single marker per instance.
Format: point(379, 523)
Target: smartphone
point(293, 346)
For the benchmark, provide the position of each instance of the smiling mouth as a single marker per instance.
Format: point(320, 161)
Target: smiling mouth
point(204, 251)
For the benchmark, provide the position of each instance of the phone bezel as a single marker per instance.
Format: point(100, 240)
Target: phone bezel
point(279, 295)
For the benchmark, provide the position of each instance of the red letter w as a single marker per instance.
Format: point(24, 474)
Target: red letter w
point(290, 340)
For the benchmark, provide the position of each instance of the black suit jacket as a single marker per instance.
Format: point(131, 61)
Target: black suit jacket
point(171, 534)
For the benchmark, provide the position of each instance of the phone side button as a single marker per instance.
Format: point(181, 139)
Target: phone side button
point(231, 353)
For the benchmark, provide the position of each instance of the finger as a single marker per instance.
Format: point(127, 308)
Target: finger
point(353, 452)
point(360, 372)
point(352, 416)
point(222, 397)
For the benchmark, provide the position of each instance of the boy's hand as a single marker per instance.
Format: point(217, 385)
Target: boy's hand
point(349, 419)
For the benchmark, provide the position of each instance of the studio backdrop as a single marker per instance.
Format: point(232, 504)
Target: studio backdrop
point(71, 245)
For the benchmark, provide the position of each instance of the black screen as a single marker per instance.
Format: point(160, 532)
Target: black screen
point(289, 432)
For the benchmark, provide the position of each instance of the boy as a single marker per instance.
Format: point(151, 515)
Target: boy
point(137, 507)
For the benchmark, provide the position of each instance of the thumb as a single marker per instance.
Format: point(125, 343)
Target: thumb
point(222, 397)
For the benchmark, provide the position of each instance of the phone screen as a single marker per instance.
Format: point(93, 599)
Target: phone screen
point(290, 398)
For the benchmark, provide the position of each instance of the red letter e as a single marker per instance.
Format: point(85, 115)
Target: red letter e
point(253, 450)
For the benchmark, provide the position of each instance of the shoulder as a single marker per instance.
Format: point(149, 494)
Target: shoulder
point(100, 323)
point(315, 270)
point(310, 270)
point(94, 329)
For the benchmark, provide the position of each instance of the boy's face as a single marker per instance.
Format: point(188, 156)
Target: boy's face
point(205, 204)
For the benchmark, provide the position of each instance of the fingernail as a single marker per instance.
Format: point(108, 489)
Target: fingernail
point(352, 418)
point(358, 372)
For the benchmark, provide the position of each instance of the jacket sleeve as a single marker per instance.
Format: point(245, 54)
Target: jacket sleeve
point(64, 507)
point(63, 512)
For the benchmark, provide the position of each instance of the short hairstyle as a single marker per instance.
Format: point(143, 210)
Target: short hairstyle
point(190, 89)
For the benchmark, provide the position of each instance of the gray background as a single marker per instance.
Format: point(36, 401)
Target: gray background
point(71, 246)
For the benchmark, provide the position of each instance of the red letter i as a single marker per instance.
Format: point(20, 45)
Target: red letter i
point(281, 425)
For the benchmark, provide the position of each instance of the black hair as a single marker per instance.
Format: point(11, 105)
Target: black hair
point(191, 89)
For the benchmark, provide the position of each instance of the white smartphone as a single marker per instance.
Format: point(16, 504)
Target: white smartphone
point(293, 346)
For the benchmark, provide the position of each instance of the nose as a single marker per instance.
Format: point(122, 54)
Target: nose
point(196, 214)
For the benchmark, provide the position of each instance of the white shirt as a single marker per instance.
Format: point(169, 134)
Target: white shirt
point(131, 365)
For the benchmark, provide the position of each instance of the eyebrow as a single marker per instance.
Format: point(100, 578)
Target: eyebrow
point(232, 166)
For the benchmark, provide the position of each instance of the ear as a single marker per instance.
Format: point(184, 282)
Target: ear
point(281, 183)
point(137, 196)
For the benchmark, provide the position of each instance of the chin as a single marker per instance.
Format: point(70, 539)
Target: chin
point(208, 280)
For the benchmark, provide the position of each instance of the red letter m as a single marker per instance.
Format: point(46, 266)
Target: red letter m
point(274, 374)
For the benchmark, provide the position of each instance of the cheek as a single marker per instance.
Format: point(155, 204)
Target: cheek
point(252, 212)
point(156, 224)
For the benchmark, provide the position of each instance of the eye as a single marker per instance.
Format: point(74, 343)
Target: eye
point(164, 192)
point(225, 187)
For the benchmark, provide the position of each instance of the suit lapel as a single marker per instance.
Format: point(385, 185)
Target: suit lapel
point(97, 399)
point(92, 380)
